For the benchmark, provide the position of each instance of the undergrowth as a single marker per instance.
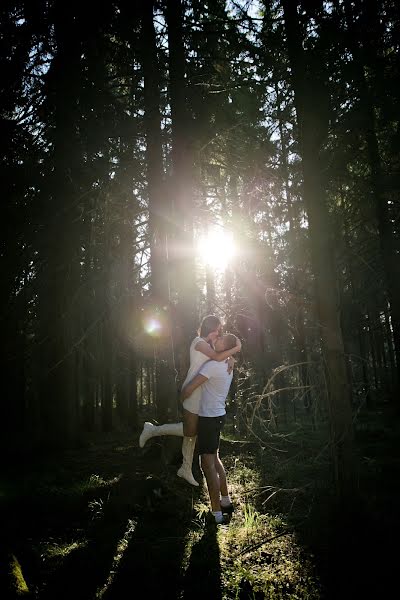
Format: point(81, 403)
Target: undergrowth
point(90, 516)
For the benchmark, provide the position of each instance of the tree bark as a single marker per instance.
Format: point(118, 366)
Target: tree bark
point(60, 243)
point(159, 216)
point(310, 101)
point(365, 55)
point(181, 184)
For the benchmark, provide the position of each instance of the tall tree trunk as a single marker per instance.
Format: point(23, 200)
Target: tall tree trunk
point(133, 397)
point(371, 341)
point(106, 355)
point(357, 317)
point(310, 101)
point(89, 371)
point(365, 56)
point(61, 247)
point(123, 318)
point(181, 183)
point(299, 329)
point(210, 285)
point(159, 215)
point(15, 258)
point(229, 275)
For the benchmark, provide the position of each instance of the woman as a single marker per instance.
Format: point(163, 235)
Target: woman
point(200, 351)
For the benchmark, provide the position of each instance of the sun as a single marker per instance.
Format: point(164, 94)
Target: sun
point(152, 326)
point(216, 249)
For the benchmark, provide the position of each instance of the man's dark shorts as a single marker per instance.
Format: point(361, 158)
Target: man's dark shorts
point(208, 434)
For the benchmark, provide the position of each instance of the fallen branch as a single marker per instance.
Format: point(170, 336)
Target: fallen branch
point(256, 546)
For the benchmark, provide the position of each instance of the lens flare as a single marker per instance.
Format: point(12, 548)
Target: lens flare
point(152, 326)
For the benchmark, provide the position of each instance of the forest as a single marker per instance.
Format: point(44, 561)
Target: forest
point(164, 160)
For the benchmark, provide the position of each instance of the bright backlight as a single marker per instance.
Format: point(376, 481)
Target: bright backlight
point(216, 249)
point(152, 326)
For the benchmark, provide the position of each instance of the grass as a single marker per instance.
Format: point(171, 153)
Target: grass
point(260, 555)
point(87, 516)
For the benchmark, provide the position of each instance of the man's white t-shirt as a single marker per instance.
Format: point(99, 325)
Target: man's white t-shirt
point(215, 390)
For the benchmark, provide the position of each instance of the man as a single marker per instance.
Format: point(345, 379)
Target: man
point(215, 381)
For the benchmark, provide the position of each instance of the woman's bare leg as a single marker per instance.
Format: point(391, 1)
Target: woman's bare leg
point(190, 421)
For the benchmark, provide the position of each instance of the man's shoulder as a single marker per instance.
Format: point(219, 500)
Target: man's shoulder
point(210, 365)
point(215, 367)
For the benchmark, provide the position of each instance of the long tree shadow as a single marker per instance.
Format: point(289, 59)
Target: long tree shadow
point(202, 578)
point(152, 559)
point(82, 573)
point(127, 551)
point(136, 541)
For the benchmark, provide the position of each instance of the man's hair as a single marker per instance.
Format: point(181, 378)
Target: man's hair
point(209, 324)
point(229, 340)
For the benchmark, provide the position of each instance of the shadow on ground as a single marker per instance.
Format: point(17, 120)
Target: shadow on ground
point(203, 575)
point(350, 544)
point(108, 542)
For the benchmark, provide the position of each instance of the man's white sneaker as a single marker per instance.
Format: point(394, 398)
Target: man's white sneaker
point(147, 433)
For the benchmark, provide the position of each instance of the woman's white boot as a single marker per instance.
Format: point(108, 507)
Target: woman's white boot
point(150, 430)
point(185, 470)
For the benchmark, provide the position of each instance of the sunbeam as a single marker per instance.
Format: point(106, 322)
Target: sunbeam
point(216, 249)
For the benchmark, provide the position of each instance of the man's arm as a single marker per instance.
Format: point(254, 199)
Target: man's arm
point(190, 387)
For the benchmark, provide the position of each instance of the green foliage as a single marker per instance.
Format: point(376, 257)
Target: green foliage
point(260, 555)
point(76, 229)
point(16, 586)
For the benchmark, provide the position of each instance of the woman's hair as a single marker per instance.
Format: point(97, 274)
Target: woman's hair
point(230, 341)
point(209, 323)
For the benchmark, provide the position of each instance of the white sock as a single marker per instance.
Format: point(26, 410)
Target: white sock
point(218, 516)
point(226, 500)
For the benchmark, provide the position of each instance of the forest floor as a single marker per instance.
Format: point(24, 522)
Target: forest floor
point(111, 521)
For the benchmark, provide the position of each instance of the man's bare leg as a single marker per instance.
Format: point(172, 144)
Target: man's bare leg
point(208, 464)
point(225, 500)
point(223, 484)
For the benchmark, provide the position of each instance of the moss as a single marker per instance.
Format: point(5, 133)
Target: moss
point(12, 581)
